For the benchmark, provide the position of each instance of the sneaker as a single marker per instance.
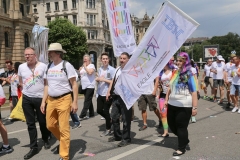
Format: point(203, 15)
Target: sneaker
point(143, 128)
point(211, 98)
point(46, 144)
point(205, 97)
point(215, 100)
point(235, 109)
point(84, 118)
point(77, 126)
point(102, 118)
point(106, 133)
point(123, 144)
point(220, 101)
point(193, 119)
point(135, 119)
point(5, 150)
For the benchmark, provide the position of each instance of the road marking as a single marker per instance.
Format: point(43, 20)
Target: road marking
point(20, 130)
point(136, 149)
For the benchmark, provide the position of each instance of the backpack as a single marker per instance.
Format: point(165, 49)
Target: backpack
point(64, 69)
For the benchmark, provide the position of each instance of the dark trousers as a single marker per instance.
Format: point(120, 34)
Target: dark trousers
point(75, 119)
point(88, 105)
point(31, 106)
point(14, 101)
point(178, 120)
point(119, 108)
point(103, 107)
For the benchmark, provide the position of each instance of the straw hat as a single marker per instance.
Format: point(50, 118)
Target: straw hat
point(56, 47)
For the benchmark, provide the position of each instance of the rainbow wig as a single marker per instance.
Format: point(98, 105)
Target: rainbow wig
point(187, 66)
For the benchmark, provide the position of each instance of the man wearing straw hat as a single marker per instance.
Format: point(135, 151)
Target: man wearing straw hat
point(32, 84)
point(61, 94)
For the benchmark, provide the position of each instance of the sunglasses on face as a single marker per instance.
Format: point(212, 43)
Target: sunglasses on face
point(179, 61)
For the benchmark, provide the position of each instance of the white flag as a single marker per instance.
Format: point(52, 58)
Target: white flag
point(120, 26)
point(166, 34)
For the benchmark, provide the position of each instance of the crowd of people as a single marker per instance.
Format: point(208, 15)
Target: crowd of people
point(50, 95)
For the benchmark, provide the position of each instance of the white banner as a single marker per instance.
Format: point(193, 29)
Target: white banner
point(166, 34)
point(120, 26)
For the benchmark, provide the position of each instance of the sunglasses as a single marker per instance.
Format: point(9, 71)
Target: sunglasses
point(179, 61)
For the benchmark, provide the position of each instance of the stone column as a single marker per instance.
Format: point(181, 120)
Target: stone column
point(2, 48)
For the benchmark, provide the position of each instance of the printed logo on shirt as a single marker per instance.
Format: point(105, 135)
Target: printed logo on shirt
point(30, 81)
point(55, 73)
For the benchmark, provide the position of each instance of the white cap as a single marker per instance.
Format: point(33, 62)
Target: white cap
point(220, 58)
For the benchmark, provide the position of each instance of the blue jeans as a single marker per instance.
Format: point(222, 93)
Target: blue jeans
point(75, 119)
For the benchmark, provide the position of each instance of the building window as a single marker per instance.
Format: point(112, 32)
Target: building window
point(5, 6)
point(136, 30)
point(35, 10)
point(26, 40)
point(92, 34)
point(91, 19)
point(66, 16)
point(65, 5)
point(21, 8)
point(6, 39)
point(48, 19)
point(48, 7)
point(74, 5)
point(90, 3)
point(75, 19)
point(34, 5)
point(146, 29)
point(56, 6)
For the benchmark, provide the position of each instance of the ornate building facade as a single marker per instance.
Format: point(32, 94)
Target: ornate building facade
point(16, 23)
point(88, 14)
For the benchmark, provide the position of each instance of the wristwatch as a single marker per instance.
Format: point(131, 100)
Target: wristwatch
point(194, 108)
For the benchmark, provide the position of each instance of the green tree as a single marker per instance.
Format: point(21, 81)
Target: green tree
point(227, 43)
point(72, 38)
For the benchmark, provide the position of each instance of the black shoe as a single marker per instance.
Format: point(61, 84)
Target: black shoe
point(143, 128)
point(46, 144)
point(228, 105)
point(113, 139)
point(31, 153)
point(123, 144)
point(167, 135)
point(76, 126)
point(178, 154)
point(57, 149)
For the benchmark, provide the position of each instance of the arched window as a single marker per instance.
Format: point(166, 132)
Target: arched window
point(26, 40)
point(6, 36)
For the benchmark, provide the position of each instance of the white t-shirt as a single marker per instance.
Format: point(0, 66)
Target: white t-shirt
point(58, 80)
point(107, 74)
point(235, 78)
point(220, 68)
point(149, 89)
point(87, 81)
point(207, 71)
point(181, 96)
point(14, 82)
point(165, 79)
point(117, 73)
point(227, 68)
point(33, 83)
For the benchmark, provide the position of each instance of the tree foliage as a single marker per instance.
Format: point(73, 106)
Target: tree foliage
point(227, 43)
point(72, 38)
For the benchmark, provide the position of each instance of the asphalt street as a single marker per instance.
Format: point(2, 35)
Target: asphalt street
point(212, 137)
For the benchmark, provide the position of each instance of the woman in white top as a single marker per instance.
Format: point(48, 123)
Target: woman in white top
point(87, 74)
point(164, 79)
point(181, 101)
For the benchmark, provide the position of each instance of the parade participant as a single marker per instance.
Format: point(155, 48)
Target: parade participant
point(31, 80)
point(87, 73)
point(228, 78)
point(61, 94)
point(149, 98)
point(235, 87)
point(181, 101)
point(6, 80)
point(105, 76)
point(218, 74)
point(207, 79)
point(6, 148)
point(164, 79)
point(119, 108)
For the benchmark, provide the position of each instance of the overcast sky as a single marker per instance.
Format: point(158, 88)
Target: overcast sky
point(216, 17)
